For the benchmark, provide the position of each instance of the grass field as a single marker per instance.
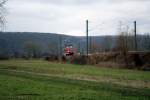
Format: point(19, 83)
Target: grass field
point(42, 80)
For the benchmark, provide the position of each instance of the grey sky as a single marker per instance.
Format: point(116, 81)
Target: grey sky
point(68, 16)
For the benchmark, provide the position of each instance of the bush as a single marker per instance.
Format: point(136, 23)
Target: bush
point(146, 67)
point(80, 60)
point(2, 57)
point(51, 58)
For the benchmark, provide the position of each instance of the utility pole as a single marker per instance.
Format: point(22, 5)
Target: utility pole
point(87, 37)
point(60, 46)
point(135, 36)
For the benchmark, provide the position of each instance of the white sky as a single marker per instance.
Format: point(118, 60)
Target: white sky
point(68, 16)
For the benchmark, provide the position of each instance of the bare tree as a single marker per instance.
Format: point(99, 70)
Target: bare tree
point(121, 46)
point(107, 43)
point(121, 43)
point(147, 41)
point(2, 13)
point(96, 47)
point(32, 49)
point(53, 48)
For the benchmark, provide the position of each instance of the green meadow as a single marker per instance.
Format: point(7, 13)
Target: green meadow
point(42, 80)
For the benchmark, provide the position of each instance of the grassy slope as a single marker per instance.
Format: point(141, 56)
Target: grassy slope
point(58, 81)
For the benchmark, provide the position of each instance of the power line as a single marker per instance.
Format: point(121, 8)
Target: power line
point(97, 26)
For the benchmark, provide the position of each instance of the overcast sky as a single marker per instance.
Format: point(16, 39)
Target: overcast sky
point(68, 16)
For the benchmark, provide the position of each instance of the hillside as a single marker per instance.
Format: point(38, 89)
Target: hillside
point(16, 43)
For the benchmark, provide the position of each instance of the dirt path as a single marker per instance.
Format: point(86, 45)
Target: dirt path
point(130, 83)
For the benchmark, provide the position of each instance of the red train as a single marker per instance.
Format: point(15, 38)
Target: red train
point(69, 51)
